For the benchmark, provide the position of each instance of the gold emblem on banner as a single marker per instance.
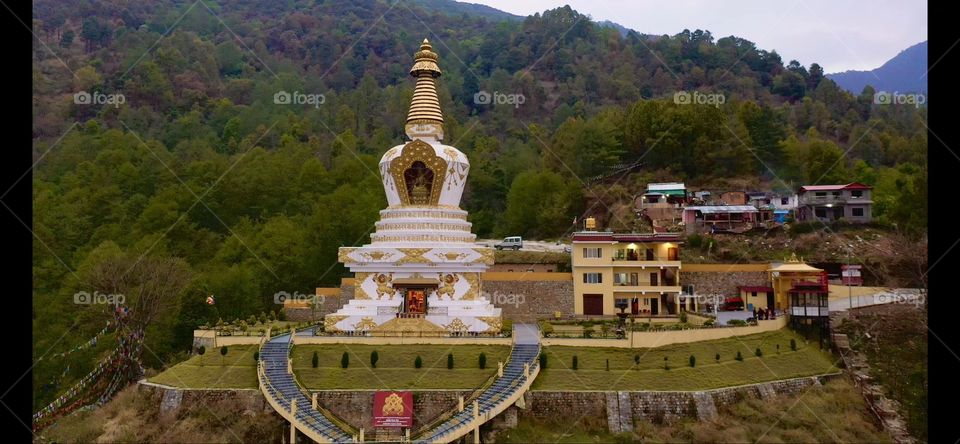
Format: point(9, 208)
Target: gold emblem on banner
point(393, 405)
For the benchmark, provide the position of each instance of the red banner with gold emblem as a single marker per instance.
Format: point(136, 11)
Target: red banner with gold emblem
point(393, 409)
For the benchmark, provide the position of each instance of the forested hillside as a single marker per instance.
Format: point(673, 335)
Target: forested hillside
point(200, 163)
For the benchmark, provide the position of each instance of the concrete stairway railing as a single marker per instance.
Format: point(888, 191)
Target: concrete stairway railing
point(519, 373)
point(285, 396)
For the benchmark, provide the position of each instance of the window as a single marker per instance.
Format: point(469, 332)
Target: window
point(592, 252)
point(857, 212)
point(821, 194)
point(753, 294)
point(820, 212)
point(856, 193)
point(592, 278)
point(625, 278)
point(835, 193)
point(784, 201)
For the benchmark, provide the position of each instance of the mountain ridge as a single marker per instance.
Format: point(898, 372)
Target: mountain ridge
point(905, 72)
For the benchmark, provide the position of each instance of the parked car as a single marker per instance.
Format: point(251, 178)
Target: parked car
point(512, 242)
point(734, 303)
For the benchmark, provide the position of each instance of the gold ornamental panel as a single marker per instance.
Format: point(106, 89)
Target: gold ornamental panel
point(358, 279)
point(366, 323)
point(450, 256)
point(458, 170)
point(457, 326)
point(414, 256)
point(486, 256)
point(424, 212)
point(418, 151)
point(343, 255)
point(376, 255)
point(473, 293)
point(330, 322)
point(495, 323)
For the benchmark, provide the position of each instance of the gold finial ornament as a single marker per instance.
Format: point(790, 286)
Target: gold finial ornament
point(425, 117)
point(425, 61)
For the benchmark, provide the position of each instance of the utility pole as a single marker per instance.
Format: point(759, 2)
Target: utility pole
point(850, 294)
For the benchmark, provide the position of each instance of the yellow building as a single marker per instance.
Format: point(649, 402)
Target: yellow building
point(793, 274)
point(756, 297)
point(640, 271)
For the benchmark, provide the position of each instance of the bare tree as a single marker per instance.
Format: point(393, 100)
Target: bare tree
point(150, 285)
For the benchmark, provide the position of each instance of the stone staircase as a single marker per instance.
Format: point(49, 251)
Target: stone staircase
point(518, 374)
point(619, 412)
point(282, 391)
point(885, 409)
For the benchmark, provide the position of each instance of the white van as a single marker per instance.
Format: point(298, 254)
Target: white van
point(512, 242)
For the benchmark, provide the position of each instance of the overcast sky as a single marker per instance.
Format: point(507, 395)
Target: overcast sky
point(837, 34)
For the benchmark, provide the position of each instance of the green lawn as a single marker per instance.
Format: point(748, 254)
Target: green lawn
point(235, 370)
point(650, 374)
point(395, 369)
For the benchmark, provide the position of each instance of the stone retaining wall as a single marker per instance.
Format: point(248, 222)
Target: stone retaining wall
point(723, 282)
point(328, 304)
point(618, 409)
point(657, 407)
point(527, 301)
point(171, 399)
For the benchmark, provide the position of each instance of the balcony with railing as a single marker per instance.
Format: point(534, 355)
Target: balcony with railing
point(810, 310)
point(833, 199)
point(635, 286)
point(641, 260)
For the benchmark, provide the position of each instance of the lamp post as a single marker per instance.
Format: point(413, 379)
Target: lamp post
point(850, 294)
point(622, 305)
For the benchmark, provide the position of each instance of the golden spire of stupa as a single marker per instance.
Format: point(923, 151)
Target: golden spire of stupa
point(425, 106)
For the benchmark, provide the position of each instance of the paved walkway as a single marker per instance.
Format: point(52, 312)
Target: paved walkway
point(896, 296)
point(526, 334)
point(723, 317)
